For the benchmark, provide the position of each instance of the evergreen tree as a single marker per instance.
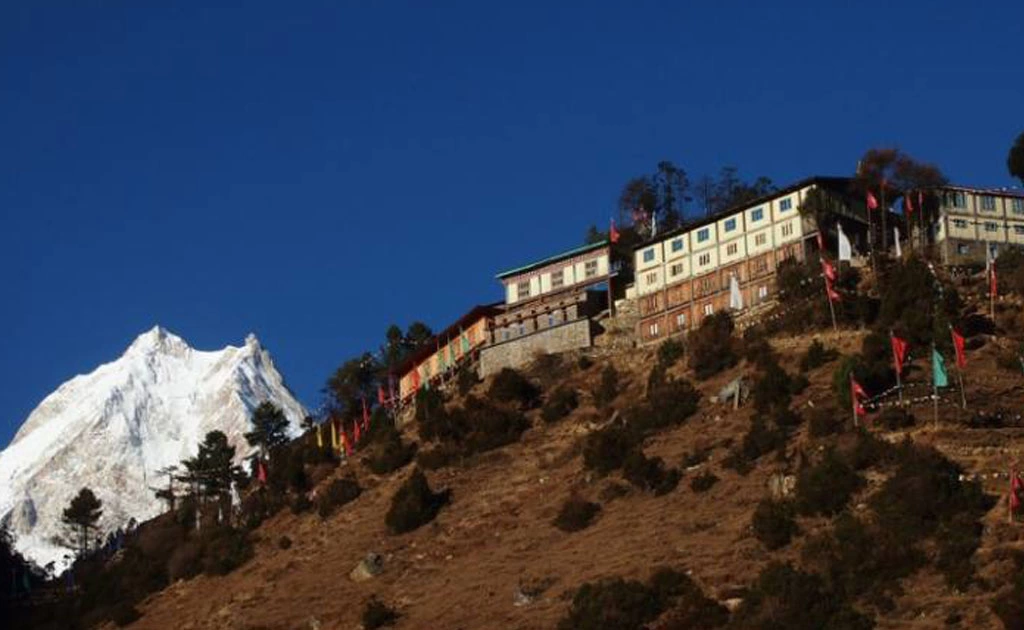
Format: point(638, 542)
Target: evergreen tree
point(269, 427)
point(1015, 159)
point(213, 469)
point(81, 514)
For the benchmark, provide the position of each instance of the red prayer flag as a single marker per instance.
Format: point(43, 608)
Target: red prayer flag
point(415, 380)
point(832, 294)
point(1015, 485)
point(613, 234)
point(899, 352)
point(356, 434)
point(920, 200)
point(366, 417)
point(346, 443)
point(958, 345)
point(908, 204)
point(828, 270)
point(381, 397)
point(856, 393)
point(261, 472)
point(871, 201)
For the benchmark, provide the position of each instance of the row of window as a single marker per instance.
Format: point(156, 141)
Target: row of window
point(989, 226)
point(958, 199)
point(558, 278)
point(654, 328)
point(730, 250)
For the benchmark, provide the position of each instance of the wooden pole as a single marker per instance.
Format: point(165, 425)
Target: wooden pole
point(853, 402)
point(831, 309)
point(963, 396)
point(935, 392)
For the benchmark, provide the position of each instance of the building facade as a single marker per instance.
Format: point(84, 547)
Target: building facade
point(684, 275)
point(446, 351)
point(548, 306)
point(970, 219)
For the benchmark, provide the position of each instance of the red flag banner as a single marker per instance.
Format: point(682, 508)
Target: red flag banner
point(828, 270)
point(908, 204)
point(613, 234)
point(920, 200)
point(899, 352)
point(346, 444)
point(992, 284)
point(1015, 485)
point(871, 201)
point(381, 397)
point(958, 345)
point(856, 393)
point(833, 295)
point(366, 417)
point(356, 433)
point(261, 472)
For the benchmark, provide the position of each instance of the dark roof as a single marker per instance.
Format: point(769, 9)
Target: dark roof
point(825, 181)
point(1004, 192)
point(547, 261)
point(430, 346)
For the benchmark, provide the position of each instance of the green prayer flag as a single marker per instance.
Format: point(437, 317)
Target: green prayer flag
point(465, 343)
point(939, 377)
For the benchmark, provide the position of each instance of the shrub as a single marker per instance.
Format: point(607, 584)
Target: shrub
point(613, 603)
point(669, 404)
point(466, 379)
point(703, 481)
point(711, 346)
point(606, 449)
point(576, 514)
point(784, 597)
point(584, 363)
point(649, 474)
point(608, 387)
point(225, 550)
point(388, 453)
point(816, 356)
point(761, 439)
point(337, 494)
point(488, 427)
point(559, 404)
point(826, 487)
point(894, 419)
point(696, 457)
point(414, 504)
point(772, 389)
point(547, 366)
point(377, 614)
point(438, 457)
point(301, 503)
point(284, 543)
point(773, 523)
point(185, 561)
point(432, 419)
point(124, 614)
point(824, 421)
point(669, 352)
point(512, 387)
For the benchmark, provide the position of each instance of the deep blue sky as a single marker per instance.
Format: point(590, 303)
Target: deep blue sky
point(314, 171)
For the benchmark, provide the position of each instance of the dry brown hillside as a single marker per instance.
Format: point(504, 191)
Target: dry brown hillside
point(470, 567)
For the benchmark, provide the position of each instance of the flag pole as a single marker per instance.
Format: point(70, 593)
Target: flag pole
point(831, 308)
point(935, 391)
point(1009, 499)
point(853, 401)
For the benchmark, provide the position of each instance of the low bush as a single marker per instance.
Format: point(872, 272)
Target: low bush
point(703, 482)
point(124, 614)
point(759, 440)
point(512, 387)
point(584, 363)
point(284, 543)
point(816, 356)
point(894, 419)
point(606, 449)
point(547, 367)
point(826, 487)
point(336, 494)
point(388, 453)
point(649, 473)
point(696, 457)
point(225, 549)
point(300, 503)
point(576, 514)
point(607, 388)
point(488, 427)
point(773, 523)
point(377, 614)
point(559, 404)
point(711, 346)
point(437, 457)
point(414, 504)
point(824, 421)
point(669, 403)
point(669, 352)
point(466, 379)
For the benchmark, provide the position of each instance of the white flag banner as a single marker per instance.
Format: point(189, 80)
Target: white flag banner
point(845, 251)
point(735, 297)
point(896, 239)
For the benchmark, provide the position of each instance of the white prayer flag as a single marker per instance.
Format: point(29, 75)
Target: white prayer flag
point(845, 250)
point(735, 297)
point(896, 239)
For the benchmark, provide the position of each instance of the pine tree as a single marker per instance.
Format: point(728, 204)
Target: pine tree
point(1015, 159)
point(82, 513)
point(213, 469)
point(270, 427)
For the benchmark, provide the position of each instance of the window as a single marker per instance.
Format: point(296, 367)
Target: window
point(960, 224)
point(709, 309)
point(785, 204)
point(590, 269)
point(991, 227)
point(681, 320)
point(993, 250)
point(551, 320)
point(762, 291)
point(1017, 205)
point(649, 255)
point(557, 278)
point(677, 245)
point(760, 239)
point(959, 200)
point(704, 259)
point(504, 334)
point(730, 225)
point(676, 269)
point(1018, 230)
point(523, 289)
point(963, 249)
point(988, 202)
point(731, 249)
point(787, 229)
point(653, 329)
point(757, 214)
point(703, 235)
point(651, 278)
point(522, 329)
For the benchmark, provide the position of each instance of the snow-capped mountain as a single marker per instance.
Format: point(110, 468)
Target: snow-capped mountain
point(113, 429)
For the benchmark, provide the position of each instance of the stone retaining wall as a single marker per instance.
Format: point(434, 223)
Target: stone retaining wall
point(517, 352)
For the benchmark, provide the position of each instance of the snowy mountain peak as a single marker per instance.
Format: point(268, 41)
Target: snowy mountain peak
point(112, 429)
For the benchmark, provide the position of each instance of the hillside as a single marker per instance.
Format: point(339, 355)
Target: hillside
point(496, 538)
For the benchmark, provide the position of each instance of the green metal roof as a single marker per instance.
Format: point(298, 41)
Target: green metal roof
point(551, 259)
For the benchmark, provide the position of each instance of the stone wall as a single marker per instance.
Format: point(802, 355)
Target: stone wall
point(518, 352)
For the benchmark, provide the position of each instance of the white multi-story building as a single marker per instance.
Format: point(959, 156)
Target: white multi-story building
point(684, 275)
point(968, 219)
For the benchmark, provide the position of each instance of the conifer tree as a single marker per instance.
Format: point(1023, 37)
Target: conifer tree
point(270, 427)
point(81, 514)
point(213, 469)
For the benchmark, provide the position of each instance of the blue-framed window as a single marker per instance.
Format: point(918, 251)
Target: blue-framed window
point(677, 245)
point(649, 255)
point(757, 214)
point(730, 225)
point(1017, 205)
point(703, 235)
point(785, 204)
point(988, 202)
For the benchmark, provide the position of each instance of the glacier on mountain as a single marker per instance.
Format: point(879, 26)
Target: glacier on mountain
point(113, 429)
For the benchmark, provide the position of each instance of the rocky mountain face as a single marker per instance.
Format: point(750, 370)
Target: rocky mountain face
point(112, 430)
